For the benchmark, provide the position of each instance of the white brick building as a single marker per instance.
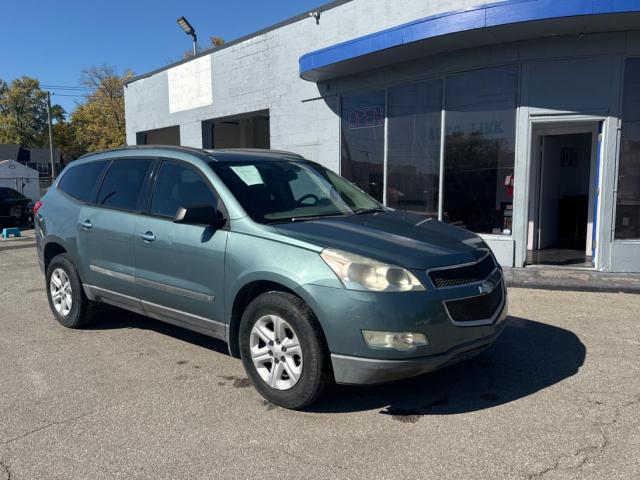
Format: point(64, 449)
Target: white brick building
point(517, 120)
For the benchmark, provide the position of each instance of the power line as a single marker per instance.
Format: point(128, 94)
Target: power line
point(66, 87)
point(71, 95)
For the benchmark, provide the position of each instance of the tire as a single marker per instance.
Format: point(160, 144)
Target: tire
point(82, 309)
point(300, 326)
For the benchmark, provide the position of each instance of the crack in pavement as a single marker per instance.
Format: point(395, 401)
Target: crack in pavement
point(589, 452)
point(44, 427)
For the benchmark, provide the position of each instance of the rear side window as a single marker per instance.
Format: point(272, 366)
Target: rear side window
point(81, 181)
point(178, 186)
point(122, 185)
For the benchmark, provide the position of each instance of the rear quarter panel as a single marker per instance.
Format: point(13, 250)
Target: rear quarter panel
point(57, 222)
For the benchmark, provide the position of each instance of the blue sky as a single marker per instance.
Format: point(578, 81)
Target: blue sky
point(54, 40)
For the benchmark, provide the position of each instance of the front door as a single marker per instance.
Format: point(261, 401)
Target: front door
point(179, 267)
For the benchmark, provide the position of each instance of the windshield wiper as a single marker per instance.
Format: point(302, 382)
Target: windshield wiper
point(361, 211)
point(316, 217)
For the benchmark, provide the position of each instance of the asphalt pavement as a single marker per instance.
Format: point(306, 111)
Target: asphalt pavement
point(557, 396)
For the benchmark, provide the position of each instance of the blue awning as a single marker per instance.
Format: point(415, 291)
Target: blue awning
point(502, 22)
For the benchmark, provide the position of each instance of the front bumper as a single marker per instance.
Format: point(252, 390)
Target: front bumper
point(343, 314)
point(366, 371)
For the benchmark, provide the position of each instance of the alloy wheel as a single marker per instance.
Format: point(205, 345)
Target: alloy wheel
point(276, 352)
point(60, 290)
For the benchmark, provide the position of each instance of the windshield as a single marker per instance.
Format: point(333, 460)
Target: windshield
point(284, 191)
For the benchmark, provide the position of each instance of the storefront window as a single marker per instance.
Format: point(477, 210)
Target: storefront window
point(363, 141)
point(413, 152)
point(479, 149)
point(628, 200)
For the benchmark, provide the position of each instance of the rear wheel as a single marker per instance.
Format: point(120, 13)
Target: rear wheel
point(67, 300)
point(283, 350)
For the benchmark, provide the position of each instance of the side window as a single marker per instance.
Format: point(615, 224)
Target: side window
point(122, 185)
point(81, 181)
point(179, 185)
point(11, 193)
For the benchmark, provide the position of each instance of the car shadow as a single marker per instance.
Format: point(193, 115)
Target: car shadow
point(528, 357)
point(113, 318)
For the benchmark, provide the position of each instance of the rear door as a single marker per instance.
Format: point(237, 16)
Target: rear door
point(106, 230)
point(80, 184)
point(179, 267)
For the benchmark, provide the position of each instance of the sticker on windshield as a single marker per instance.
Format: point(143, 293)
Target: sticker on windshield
point(249, 174)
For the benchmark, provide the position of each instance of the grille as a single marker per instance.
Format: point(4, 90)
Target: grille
point(472, 309)
point(456, 276)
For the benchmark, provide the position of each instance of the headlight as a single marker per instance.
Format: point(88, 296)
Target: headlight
point(361, 273)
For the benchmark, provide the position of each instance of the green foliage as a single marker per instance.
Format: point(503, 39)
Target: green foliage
point(23, 112)
point(95, 124)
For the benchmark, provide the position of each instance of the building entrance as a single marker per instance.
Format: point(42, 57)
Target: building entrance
point(563, 194)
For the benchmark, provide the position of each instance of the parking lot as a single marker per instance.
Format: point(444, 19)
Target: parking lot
point(557, 396)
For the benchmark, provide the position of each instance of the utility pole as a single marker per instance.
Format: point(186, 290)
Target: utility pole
point(53, 170)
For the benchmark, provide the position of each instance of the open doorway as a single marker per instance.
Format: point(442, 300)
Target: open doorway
point(249, 130)
point(563, 192)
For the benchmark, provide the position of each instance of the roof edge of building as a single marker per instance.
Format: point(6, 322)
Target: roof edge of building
point(322, 8)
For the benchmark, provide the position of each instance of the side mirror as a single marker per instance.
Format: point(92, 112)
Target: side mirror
point(200, 215)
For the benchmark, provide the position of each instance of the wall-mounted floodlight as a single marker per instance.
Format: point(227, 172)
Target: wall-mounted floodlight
point(189, 30)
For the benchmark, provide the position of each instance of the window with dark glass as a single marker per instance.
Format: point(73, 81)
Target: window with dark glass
point(480, 149)
point(413, 147)
point(628, 197)
point(178, 186)
point(363, 141)
point(9, 193)
point(122, 185)
point(81, 181)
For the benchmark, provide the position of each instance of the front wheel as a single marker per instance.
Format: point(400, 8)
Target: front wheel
point(283, 350)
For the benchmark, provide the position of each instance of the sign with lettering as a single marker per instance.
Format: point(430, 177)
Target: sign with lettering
point(365, 117)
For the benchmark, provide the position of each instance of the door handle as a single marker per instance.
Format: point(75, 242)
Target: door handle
point(147, 236)
point(87, 225)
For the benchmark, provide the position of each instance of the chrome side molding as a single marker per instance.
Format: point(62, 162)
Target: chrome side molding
point(110, 273)
point(202, 297)
point(159, 312)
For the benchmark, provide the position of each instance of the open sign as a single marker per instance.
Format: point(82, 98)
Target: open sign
point(365, 117)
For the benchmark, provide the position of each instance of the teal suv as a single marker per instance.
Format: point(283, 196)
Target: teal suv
point(307, 278)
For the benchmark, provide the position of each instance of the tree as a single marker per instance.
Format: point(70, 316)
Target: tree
point(213, 43)
point(98, 123)
point(216, 41)
point(23, 112)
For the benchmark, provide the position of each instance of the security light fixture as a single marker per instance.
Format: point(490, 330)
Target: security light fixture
point(189, 30)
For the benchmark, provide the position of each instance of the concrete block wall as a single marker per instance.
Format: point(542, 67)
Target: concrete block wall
point(262, 73)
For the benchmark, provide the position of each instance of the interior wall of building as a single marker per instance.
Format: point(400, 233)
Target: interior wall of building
point(160, 136)
point(566, 172)
point(250, 132)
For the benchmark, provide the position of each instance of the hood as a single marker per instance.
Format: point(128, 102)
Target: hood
point(404, 239)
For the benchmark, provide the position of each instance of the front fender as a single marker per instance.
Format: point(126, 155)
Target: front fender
point(249, 259)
